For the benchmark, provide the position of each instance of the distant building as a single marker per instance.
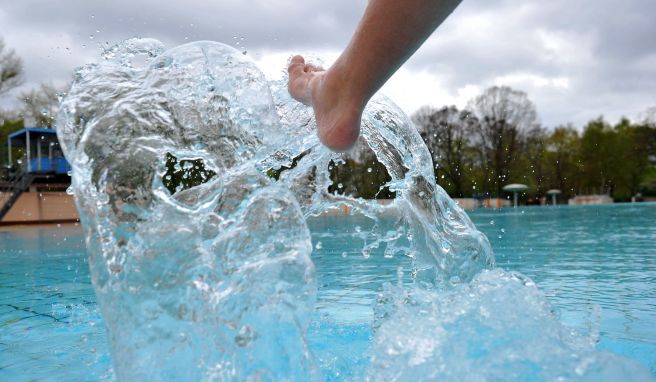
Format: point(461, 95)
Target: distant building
point(33, 188)
point(591, 199)
point(42, 153)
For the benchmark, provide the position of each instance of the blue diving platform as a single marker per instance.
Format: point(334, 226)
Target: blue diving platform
point(41, 152)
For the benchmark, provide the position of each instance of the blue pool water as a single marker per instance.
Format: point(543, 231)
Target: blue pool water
point(596, 265)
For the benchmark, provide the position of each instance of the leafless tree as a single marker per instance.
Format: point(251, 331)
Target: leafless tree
point(648, 117)
point(447, 133)
point(504, 116)
point(40, 105)
point(11, 69)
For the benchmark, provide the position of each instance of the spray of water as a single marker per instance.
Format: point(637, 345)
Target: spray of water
point(215, 281)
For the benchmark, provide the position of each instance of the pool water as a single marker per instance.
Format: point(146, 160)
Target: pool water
point(594, 263)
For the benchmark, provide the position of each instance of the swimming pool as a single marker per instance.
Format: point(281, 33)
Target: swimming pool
point(580, 257)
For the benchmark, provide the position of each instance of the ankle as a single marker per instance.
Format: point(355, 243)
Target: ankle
point(338, 81)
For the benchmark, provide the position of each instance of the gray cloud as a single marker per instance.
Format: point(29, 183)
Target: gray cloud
point(576, 59)
point(604, 49)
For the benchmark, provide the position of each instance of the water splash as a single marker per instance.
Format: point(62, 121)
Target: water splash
point(499, 327)
point(214, 281)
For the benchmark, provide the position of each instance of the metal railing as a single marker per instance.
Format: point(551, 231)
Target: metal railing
point(12, 187)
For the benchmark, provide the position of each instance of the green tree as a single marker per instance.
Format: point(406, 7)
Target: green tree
point(533, 162)
point(360, 175)
point(8, 125)
point(184, 174)
point(632, 150)
point(598, 158)
point(562, 159)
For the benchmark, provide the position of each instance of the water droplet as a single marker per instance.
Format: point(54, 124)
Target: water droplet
point(70, 190)
point(491, 222)
point(245, 336)
point(319, 245)
point(446, 248)
point(369, 169)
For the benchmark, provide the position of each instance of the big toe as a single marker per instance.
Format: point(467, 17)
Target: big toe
point(296, 65)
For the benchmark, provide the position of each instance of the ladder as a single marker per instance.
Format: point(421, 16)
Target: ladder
point(12, 189)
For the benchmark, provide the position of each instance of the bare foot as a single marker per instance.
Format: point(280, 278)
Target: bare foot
point(337, 110)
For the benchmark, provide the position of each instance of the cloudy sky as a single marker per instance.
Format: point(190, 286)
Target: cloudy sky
point(576, 59)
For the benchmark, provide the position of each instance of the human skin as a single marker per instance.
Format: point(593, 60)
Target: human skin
point(389, 32)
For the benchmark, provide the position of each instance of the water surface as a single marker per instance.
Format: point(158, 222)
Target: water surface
point(596, 261)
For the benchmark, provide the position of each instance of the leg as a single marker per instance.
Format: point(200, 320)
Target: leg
point(388, 34)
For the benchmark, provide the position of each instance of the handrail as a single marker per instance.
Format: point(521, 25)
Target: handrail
point(15, 186)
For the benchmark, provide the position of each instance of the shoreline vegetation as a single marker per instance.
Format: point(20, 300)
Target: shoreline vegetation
point(495, 140)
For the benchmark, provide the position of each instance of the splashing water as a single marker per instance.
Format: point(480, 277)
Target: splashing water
point(215, 281)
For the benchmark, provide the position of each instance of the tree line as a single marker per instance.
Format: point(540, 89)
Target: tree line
point(36, 107)
point(495, 140)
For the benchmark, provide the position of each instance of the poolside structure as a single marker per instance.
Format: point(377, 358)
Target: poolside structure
point(591, 199)
point(554, 193)
point(515, 188)
point(40, 168)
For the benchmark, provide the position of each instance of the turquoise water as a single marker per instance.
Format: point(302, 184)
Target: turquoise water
point(596, 264)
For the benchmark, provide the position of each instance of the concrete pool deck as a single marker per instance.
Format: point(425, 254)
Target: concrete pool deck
point(41, 207)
